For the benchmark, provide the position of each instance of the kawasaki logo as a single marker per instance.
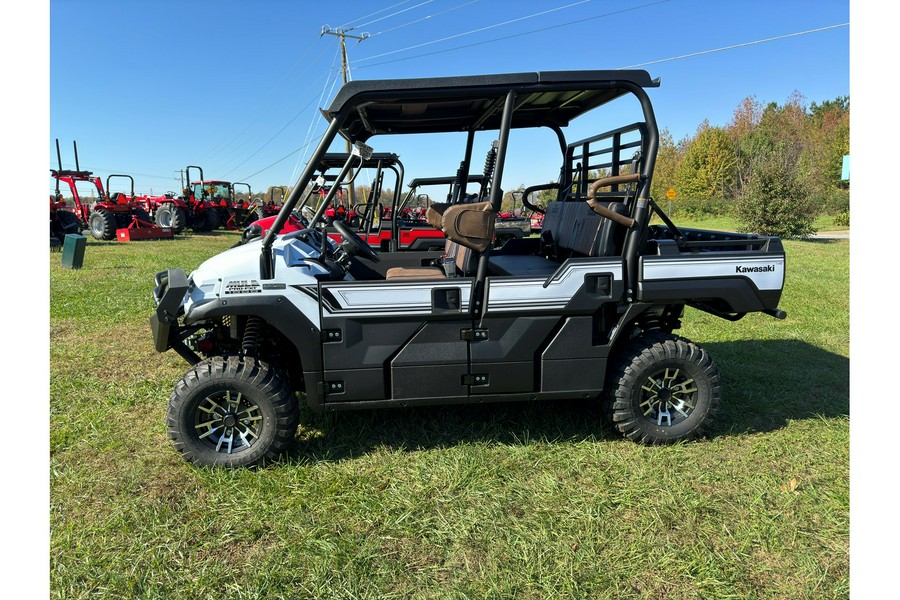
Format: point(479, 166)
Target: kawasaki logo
point(765, 269)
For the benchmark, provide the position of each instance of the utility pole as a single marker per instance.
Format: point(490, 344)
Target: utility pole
point(345, 69)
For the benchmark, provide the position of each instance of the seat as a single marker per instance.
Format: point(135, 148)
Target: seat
point(570, 229)
point(434, 217)
point(469, 229)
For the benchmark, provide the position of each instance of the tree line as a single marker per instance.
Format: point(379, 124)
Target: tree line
point(775, 168)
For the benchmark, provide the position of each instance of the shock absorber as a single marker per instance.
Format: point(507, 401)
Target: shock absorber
point(490, 162)
point(252, 334)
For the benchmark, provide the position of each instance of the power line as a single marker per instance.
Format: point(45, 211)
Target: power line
point(393, 14)
point(515, 35)
point(307, 141)
point(771, 39)
point(226, 165)
point(313, 121)
point(558, 8)
point(437, 14)
point(258, 150)
point(285, 157)
point(345, 25)
point(97, 169)
point(219, 148)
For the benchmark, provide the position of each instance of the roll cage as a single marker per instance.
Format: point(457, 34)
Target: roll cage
point(469, 104)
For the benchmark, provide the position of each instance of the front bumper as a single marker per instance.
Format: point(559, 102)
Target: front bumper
point(171, 287)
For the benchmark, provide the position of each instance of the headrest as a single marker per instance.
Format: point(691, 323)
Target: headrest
point(471, 225)
point(435, 214)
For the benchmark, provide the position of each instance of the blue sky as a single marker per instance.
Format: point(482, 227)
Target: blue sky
point(147, 88)
point(121, 77)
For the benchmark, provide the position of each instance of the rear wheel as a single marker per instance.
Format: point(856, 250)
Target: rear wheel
point(102, 224)
point(169, 215)
point(665, 389)
point(206, 220)
point(232, 412)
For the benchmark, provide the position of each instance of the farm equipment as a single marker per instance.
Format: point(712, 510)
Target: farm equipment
point(195, 208)
point(260, 209)
point(240, 210)
point(63, 221)
point(340, 212)
point(140, 227)
point(110, 216)
point(410, 233)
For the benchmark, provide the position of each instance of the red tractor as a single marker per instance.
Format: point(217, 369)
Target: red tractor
point(108, 217)
point(260, 209)
point(340, 212)
point(197, 207)
point(233, 212)
point(239, 209)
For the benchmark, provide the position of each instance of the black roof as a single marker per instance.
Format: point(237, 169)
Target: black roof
point(336, 160)
point(446, 180)
point(445, 104)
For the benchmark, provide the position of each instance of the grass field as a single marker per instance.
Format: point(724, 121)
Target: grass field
point(727, 223)
point(518, 501)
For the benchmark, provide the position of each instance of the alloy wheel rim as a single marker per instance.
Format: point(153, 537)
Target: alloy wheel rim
point(228, 422)
point(668, 397)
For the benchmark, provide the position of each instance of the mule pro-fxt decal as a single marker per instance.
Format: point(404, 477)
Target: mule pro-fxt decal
point(241, 286)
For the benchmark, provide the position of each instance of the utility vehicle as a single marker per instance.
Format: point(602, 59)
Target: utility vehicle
point(410, 234)
point(511, 224)
point(586, 310)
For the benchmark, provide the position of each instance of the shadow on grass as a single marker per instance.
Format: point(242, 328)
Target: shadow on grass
point(766, 384)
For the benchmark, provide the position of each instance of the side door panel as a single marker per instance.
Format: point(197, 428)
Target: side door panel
point(395, 341)
point(506, 357)
point(543, 332)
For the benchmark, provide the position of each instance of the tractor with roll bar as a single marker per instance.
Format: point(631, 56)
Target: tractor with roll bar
point(260, 208)
point(112, 216)
point(237, 210)
point(197, 207)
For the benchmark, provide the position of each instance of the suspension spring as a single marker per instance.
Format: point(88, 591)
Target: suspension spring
point(489, 162)
point(252, 334)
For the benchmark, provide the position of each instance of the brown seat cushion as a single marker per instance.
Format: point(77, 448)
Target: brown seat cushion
point(412, 273)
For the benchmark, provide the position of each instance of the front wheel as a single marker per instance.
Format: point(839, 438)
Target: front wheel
point(232, 412)
point(665, 389)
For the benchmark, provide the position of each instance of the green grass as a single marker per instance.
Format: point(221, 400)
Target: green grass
point(505, 501)
point(727, 223)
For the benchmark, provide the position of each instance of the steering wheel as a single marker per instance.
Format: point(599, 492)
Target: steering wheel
point(357, 242)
